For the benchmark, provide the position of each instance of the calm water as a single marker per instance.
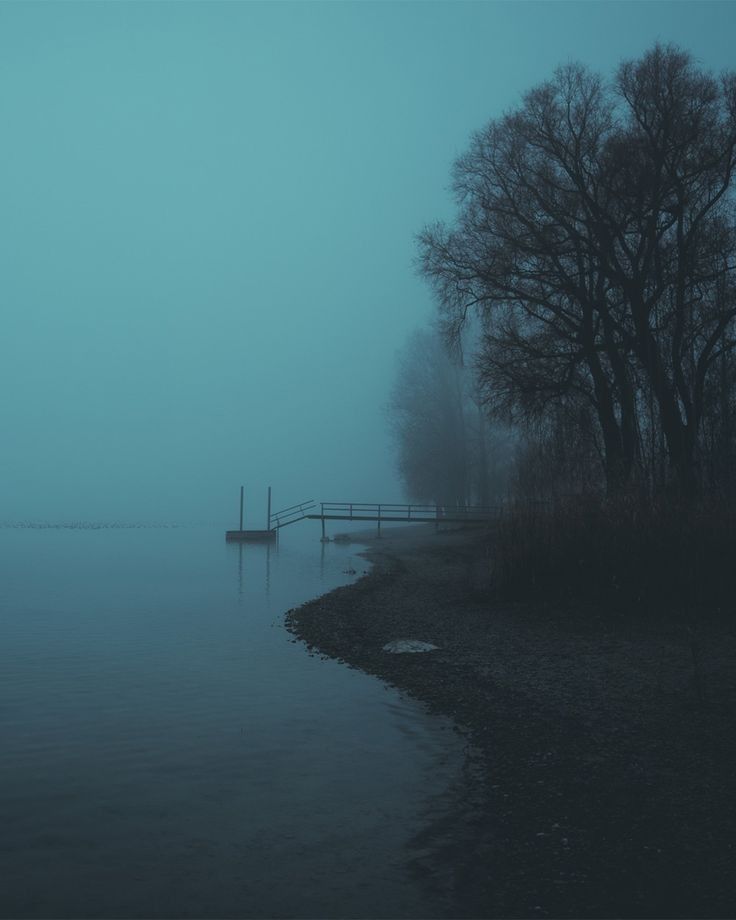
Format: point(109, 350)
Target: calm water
point(168, 750)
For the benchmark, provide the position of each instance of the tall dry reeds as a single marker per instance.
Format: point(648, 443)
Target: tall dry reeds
point(657, 555)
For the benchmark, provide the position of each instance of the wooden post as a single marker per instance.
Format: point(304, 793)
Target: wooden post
point(323, 520)
point(241, 507)
point(269, 508)
point(379, 520)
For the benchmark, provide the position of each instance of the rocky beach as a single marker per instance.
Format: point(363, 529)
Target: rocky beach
point(601, 764)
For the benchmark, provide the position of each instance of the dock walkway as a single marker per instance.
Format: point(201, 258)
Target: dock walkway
point(376, 512)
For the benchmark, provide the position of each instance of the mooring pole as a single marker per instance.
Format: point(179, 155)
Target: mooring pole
point(269, 508)
point(241, 507)
point(323, 521)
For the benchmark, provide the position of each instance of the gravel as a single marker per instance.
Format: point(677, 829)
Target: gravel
point(601, 774)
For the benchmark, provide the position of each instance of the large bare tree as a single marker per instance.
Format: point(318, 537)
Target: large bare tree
point(595, 240)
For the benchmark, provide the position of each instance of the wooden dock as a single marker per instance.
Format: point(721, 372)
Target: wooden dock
point(376, 512)
point(383, 513)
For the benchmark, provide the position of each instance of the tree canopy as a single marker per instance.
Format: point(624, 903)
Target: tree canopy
point(595, 241)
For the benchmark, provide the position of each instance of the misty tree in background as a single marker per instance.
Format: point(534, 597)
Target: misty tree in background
point(595, 243)
point(427, 416)
point(447, 452)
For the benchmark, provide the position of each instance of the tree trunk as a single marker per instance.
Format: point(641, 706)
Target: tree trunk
point(617, 463)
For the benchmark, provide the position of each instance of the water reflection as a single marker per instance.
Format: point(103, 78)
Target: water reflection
point(151, 732)
point(260, 556)
point(254, 559)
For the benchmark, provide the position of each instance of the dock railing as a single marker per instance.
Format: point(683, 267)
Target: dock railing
point(380, 512)
point(374, 511)
point(292, 514)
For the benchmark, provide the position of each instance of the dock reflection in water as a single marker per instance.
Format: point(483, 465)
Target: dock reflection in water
point(260, 553)
point(169, 751)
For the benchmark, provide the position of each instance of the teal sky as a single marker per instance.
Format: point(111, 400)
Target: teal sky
point(206, 234)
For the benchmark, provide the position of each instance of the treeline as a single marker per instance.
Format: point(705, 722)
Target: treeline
point(588, 281)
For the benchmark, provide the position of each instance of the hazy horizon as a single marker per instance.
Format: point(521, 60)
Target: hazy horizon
point(208, 233)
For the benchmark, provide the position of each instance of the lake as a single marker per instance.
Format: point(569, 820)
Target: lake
point(168, 749)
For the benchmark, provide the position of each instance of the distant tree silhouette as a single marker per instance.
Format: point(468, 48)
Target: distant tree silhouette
point(427, 414)
point(443, 444)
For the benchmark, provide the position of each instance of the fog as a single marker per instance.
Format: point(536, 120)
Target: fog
point(207, 235)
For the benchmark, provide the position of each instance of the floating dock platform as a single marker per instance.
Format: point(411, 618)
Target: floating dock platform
point(242, 536)
point(269, 535)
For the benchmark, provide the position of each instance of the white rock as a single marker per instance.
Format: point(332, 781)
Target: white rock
point(398, 646)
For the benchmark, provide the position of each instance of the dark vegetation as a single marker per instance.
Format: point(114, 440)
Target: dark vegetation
point(587, 301)
point(664, 557)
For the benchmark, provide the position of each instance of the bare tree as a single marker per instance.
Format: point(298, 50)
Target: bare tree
point(595, 241)
point(447, 451)
point(427, 416)
point(667, 235)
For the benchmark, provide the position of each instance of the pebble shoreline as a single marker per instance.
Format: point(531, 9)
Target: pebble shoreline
point(600, 783)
